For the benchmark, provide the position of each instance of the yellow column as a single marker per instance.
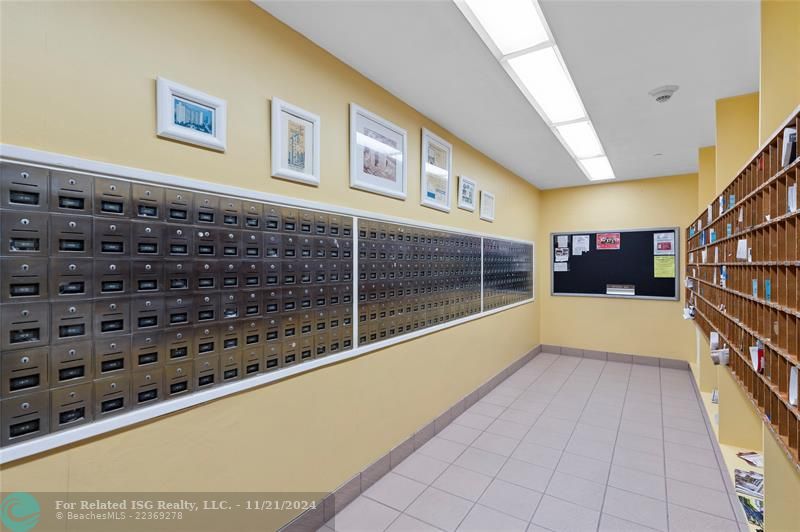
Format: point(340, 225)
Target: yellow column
point(780, 63)
point(737, 136)
point(781, 485)
point(706, 176)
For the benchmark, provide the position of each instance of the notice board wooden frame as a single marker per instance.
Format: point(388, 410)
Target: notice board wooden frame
point(676, 230)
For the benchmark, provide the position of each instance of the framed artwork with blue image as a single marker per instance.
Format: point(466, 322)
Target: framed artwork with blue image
point(437, 162)
point(191, 116)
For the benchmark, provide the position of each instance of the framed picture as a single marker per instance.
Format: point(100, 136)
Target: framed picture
point(189, 115)
point(467, 193)
point(295, 143)
point(437, 163)
point(487, 206)
point(377, 154)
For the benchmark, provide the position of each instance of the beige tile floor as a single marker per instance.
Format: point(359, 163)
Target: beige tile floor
point(564, 444)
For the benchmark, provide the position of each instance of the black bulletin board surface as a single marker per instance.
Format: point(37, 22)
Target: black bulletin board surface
point(632, 264)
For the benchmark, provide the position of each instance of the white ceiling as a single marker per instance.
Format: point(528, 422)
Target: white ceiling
point(428, 55)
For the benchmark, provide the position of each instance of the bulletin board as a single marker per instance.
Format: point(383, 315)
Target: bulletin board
point(632, 263)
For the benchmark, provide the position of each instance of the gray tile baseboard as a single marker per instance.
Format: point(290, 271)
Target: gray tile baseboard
point(616, 357)
point(313, 518)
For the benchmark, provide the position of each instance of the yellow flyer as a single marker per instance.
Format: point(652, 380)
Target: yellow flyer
point(664, 266)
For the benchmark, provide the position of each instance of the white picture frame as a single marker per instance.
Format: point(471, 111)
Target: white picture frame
point(436, 169)
point(487, 206)
point(190, 116)
point(378, 154)
point(467, 193)
point(293, 159)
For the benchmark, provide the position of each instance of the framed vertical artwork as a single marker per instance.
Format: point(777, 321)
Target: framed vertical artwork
point(487, 206)
point(435, 171)
point(191, 116)
point(295, 143)
point(467, 193)
point(378, 154)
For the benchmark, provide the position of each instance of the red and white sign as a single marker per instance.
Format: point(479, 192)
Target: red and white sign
point(608, 240)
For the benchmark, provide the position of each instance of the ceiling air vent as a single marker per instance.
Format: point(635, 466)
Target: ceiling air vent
point(663, 94)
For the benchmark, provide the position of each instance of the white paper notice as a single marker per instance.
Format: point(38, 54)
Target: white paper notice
point(716, 255)
point(793, 378)
point(580, 244)
point(741, 215)
point(560, 267)
point(704, 255)
point(792, 198)
point(710, 213)
point(563, 240)
point(562, 254)
point(741, 249)
point(664, 243)
point(714, 340)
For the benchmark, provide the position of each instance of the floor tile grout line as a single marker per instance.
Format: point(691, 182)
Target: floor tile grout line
point(430, 484)
point(614, 450)
point(664, 450)
point(557, 357)
point(564, 450)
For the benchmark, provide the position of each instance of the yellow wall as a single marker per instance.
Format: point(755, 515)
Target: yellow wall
point(781, 478)
point(780, 66)
point(737, 136)
point(78, 78)
point(740, 424)
point(706, 176)
point(642, 327)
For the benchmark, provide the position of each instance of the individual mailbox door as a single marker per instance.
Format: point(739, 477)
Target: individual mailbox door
point(305, 298)
point(334, 342)
point(179, 205)
point(207, 341)
point(320, 320)
point(112, 396)
point(207, 308)
point(305, 348)
point(206, 242)
point(321, 345)
point(252, 274)
point(305, 247)
point(147, 387)
point(71, 363)
point(232, 306)
point(290, 299)
point(273, 246)
point(206, 371)
point(231, 336)
point(252, 360)
point(24, 187)
point(291, 355)
point(178, 379)
point(321, 223)
point(288, 220)
point(290, 326)
point(253, 214)
point(24, 417)
point(71, 406)
point(320, 296)
point(272, 302)
point(306, 323)
point(306, 272)
point(252, 244)
point(334, 225)
point(70, 236)
point(231, 365)
point(272, 218)
point(179, 241)
point(306, 221)
point(112, 238)
point(148, 239)
point(24, 234)
point(206, 209)
point(148, 276)
point(179, 344)
point(147, 350)
point(25, 325)
point(207, 275)
point(23, 371)
point(230, 275)
point(273, 357)
point(147, 313)
point(148, 202)
point(251, 333)
point(230, 243)
point(24, 280)
point(112, 356)
point(112, 317)
point(252, 303)
point(290, 247)
point(347, 226)
point(112, 197)
point(179, 276)
point(272, 330)
point(231, 212)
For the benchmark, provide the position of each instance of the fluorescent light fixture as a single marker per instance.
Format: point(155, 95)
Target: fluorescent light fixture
point(581, 139)
point(512, 25)
point(548, 83)
point(597, 168)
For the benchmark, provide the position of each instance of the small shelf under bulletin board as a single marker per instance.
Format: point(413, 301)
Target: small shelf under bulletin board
point(743, 281)
point(634, 263)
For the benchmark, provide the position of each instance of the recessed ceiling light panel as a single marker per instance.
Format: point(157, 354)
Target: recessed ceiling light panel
point(512, 25)
point(581, 139)
point(597, 168)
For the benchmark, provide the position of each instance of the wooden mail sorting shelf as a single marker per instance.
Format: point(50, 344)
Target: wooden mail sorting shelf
point(743, 263)
point(122, 299)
